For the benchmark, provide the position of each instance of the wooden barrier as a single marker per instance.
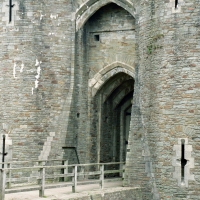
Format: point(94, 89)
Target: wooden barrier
point(5, 185)
point(2, 183)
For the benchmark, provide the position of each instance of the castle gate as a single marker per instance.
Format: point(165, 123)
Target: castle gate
point(104, 75)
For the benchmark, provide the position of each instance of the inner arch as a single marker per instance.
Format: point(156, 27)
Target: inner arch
point(113, 121)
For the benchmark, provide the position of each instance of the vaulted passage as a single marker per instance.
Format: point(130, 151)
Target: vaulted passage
point(105, 59)
point(112, 114)
point(116, 97)
point(110, 35)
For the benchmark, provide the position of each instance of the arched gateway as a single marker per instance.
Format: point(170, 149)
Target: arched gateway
point(104, 75)
point(112, 120)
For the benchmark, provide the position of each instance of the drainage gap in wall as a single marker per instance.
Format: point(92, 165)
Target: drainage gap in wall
point(183, 160)
point(96, 37)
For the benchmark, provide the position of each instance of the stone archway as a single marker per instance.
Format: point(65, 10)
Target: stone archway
point(111, 117)
point(91, 6)
point(105, 70)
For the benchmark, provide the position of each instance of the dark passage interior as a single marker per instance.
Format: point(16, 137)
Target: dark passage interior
point(113, 117)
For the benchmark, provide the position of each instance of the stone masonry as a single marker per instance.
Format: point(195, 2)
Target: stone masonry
point(76, 73)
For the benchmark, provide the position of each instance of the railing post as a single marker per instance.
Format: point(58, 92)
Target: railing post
point(42, 182)
point(2, 184)
point(123, 174)
point(83, 171)
point(102, 176)
point(66, 170)
point(121, 168)
point(74, 179)
point(9, 176)
point(39, 173)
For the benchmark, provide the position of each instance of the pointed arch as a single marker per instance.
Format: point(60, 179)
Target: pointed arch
point(91, 6)
point(106, 73)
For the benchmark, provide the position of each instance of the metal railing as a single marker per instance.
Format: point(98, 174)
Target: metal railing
point(72, 175)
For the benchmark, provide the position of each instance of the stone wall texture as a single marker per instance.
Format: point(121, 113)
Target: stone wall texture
point(113, 194)
point(70, 70)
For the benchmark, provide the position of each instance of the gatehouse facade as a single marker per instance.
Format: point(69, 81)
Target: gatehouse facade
point(95, 81)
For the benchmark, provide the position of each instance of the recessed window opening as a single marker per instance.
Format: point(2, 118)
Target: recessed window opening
point(96, 37)
point(183, 160)
point(106, 119)
point(176, 4)
point(78, 115)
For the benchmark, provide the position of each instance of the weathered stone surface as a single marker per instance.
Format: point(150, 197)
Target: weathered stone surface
point(117, 194)
point(71, 71)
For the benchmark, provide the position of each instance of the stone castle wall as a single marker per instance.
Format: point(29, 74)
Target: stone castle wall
point(54, 73)
point(36, 72)
point(166, 100)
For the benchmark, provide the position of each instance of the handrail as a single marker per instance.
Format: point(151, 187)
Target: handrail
point(31, 161)
point(61, 166)
point(74, 174)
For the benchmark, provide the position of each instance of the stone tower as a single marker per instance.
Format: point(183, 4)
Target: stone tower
point(102, 81)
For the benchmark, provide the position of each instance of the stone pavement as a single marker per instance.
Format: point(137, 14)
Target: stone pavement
point(91, 191)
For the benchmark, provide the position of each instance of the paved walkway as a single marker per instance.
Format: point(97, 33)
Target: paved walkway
point(66, 192)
